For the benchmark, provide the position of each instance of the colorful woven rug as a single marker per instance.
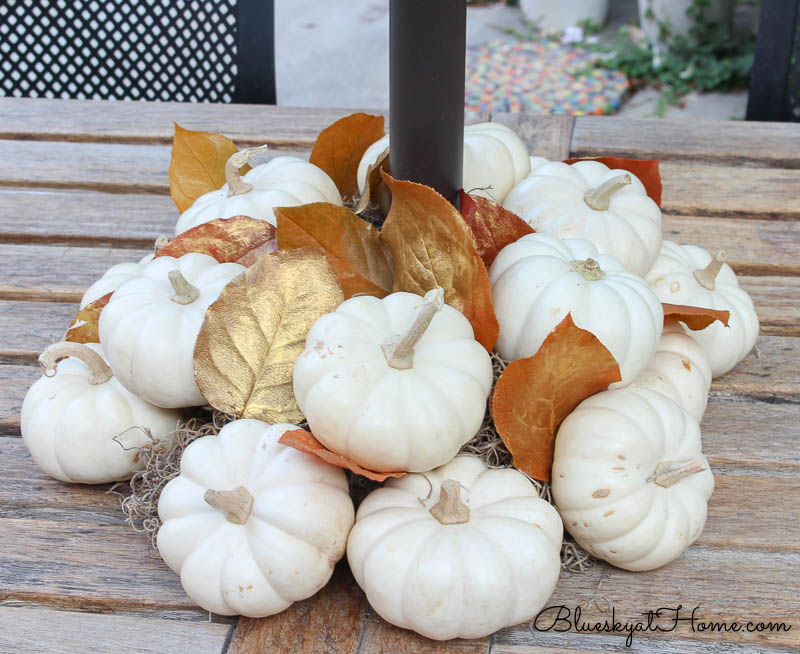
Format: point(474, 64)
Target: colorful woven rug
point(541, 77)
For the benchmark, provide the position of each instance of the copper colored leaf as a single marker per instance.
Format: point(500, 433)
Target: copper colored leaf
point(695, 317)
point(432, 246)
point(303, 441)
point(534, 395)
point(339, 148)
point(645, 169)
point(375, 192)
point(254, 332)
point(225, 239)
point(83, 328)
point(197, 165)
point(361, 261)
point(492, 225)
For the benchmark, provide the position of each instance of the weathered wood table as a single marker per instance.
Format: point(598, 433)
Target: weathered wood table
point(84, 186)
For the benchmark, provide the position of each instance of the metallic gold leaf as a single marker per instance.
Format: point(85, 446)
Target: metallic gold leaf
point(197, 165)
point(432, 246)
point(225, 239)
point(340, 146)
point(535, 394)
point(254, 332)
point(362, 261)
point(83, 328)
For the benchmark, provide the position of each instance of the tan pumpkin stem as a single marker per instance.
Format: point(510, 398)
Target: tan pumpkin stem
point(160, 243)
point(99, 370)
point(450, 510)
point(668, 473)
point(599, 198)
point(185, 293)
point(588, 269)
point(399, 349)
point(237, 503)
point(236, 185)
point(707, 276)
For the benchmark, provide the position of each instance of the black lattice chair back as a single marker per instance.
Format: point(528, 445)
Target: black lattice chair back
point(775, 79)
point(181, 50)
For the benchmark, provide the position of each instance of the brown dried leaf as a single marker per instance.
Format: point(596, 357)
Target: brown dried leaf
point(83, 329)
point(645, 169)
point(303, 441)
point(340, 146)
point(254, 332)
point(432, 246)
point(492, 225)
point(375, 192)
point(361, 261)
point(534, 395)
point(225, 239)
point(695, 317)
point(197, 165)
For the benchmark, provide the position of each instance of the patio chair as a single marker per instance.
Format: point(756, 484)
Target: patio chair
point(180, 50)
point(775, 79)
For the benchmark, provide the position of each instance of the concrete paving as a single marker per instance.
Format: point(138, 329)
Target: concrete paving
point(336, 54)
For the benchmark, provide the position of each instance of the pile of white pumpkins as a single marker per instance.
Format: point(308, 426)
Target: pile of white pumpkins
point(452, 549)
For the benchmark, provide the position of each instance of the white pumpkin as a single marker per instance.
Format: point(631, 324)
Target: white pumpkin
point(679, 370)
point(629, 478)
point(393, 384)
point(113, 278)
point(150, 325)
point(282, 182)
point(495, 159)
point(251, 525)
point(81, 425)
point(608, 207)
point(458, 552)
point(538, 280)
point(687, 274)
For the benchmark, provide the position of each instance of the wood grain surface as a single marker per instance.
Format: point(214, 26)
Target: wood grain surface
point(83, 186)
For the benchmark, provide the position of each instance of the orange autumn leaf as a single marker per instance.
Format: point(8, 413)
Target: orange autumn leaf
point(340, 146)
point(534, 395)
point(645, 169)
point(197, 165)
point(303, 441)
point(83, 329)
point(225, 239)
point(695, 317)
point(492, 225)
point(361, 261)
point(432, 246)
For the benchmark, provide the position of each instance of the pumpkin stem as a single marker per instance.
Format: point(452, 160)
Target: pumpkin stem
point(450, 510)
point(589, 269)
point(160, 243)
point(237, 503)
point(707, 276)
point(185, 293)
point(399, 349)
point(236, 185)
point(599, 198)
point(668, 473)
point(99, 370)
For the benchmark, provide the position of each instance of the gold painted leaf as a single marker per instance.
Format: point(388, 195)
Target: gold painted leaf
point(340, 146)
point(254, 332)
point(432, 246)
point(83, 328)
point(362, 261)
point(197, 165)
point(225, 239)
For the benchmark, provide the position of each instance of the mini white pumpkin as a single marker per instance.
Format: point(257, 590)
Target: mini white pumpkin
point(457, 552)
point(251, 525)
point(150, 325)
point(81, 425)
point(113, 278)
point(680, 370)
point(687, 274)
point(282, 182)
point(538, 280)
point(629, 478)
point(495, 159)
point(608, 207)
point(397, 383)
